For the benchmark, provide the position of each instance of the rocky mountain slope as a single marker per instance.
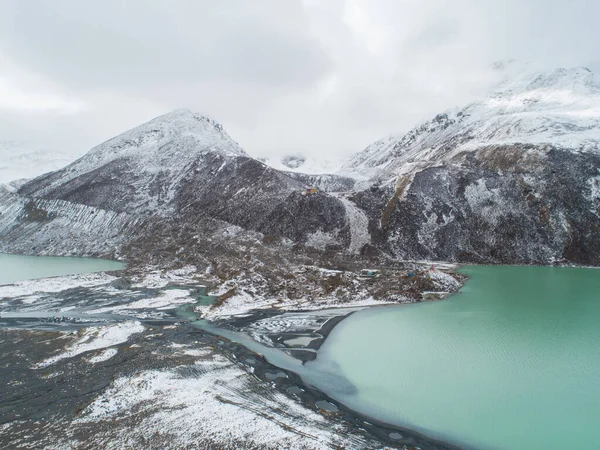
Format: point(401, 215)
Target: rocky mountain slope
point(559, 108)
point(179, 168)
point(512, 178)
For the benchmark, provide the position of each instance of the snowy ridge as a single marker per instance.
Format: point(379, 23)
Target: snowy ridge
point(559, 108)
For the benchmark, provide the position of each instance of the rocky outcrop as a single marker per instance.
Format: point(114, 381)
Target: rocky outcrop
point(476, 212)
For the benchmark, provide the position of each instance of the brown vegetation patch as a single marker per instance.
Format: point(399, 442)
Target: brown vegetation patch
point(224, 297)
point(545, 214)
point(401, 186)
point(35, 213)
point(507, 158)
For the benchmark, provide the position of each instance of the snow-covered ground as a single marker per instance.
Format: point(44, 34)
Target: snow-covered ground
point(37, 287)
point(151, 277)
point(167, 299)
point(244, 303)
point(219, 402)
point(204, 408)
point(96, 338)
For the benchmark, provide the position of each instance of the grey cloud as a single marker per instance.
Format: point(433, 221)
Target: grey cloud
point(281, 75)
point(132, 43)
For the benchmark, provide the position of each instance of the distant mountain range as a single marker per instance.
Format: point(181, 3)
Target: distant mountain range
point(19, 160)
point(511, 178)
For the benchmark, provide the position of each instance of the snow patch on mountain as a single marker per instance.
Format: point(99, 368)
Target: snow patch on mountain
point(594, 184)
point(359, 226)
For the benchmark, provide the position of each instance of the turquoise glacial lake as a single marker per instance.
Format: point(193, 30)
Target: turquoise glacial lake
point(17, 267)
point(510, 362)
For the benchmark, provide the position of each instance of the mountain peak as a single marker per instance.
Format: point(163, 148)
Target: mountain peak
point(182, 122)
point(181, 133)
point(158, 152)
point(184, 114)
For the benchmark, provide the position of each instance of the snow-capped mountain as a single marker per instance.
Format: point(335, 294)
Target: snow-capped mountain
point(559, 108)
point(510, 178)
point(178, 170)
point(19, 160)
point(140, 169)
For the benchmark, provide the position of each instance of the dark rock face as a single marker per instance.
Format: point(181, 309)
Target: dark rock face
point(498, 205)
point(293, 162)
point(251, 195)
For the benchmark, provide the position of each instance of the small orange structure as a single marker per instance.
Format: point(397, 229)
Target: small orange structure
point(311, 190)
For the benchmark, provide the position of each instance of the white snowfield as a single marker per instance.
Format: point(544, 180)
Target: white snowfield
point(168, 299)
point(560, 108)
point(96, 338)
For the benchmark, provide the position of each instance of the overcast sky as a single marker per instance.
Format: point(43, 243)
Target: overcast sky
point(320, 77)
